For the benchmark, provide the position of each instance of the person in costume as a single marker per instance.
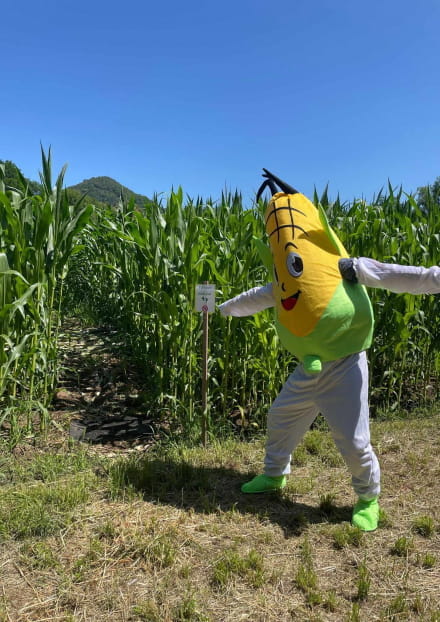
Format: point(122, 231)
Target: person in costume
point(324, 317)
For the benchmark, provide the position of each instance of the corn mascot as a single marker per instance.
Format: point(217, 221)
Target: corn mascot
point(324, 317)
point(319, 316)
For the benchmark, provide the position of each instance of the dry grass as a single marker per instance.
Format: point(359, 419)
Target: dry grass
point(174, 539)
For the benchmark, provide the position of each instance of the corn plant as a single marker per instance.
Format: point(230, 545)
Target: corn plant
point(143, 269)
point(37, 236)
point(404, 358)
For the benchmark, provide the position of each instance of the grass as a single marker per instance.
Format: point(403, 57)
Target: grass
point(232, 565)
point(402, 547)
point(424, 525)
point(167, 536)
point(347, 535)
point(363, 583)
point(40, 510)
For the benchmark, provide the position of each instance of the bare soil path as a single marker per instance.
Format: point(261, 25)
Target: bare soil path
point(101, 393)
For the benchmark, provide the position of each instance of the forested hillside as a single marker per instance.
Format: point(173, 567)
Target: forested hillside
point(108, 191)
point(100, 191)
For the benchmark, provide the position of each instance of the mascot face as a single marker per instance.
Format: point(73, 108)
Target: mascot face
point(305, 261)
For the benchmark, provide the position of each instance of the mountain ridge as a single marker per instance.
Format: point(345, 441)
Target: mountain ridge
point(102, 189)
point(108, 190)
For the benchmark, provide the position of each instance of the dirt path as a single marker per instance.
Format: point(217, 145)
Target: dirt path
point(101, 395)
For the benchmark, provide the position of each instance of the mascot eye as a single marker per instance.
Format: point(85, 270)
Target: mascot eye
point(294, 264)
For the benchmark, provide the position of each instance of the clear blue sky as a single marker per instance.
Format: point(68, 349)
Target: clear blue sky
point(204, 94)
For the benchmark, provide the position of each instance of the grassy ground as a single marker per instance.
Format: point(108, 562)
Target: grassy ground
point(132, 530)
point(166, 535)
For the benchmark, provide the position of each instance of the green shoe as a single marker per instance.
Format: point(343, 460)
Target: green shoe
point(264, 483)
point(366, 514)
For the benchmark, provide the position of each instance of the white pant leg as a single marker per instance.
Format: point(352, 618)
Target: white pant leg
point(289, 417)
point(343, 400)
point(397, 278)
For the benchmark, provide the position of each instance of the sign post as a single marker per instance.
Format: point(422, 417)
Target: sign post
point(205, 303)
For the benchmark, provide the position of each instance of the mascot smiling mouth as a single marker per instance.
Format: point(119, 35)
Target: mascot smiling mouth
point(289, 303)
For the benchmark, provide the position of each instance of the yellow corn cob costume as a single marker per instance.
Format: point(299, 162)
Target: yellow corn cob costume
point(319, 316)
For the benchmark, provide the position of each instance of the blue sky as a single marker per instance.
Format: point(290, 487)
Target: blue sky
point(204, 94)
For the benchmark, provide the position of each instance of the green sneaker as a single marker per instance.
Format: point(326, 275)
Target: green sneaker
point(264, 483)
point(366, 514)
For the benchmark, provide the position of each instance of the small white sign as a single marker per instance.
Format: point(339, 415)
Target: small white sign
point(205, 298)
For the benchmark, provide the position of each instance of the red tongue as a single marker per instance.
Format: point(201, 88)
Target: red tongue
point(289, 303)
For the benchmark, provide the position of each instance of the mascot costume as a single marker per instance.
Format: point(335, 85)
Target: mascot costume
point(324, 317)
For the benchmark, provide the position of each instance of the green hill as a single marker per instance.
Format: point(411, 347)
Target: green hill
point(98, 190)
point(109, 191)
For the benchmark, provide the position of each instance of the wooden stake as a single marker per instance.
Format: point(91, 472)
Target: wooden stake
point(205, 379)
point(205, 302)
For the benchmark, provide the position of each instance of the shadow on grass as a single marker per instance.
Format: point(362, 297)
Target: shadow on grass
point(210, 490)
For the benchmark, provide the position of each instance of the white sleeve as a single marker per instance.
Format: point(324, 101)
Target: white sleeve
point(250, 302)
point(397, 278)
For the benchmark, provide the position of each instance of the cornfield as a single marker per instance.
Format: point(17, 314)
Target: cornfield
point(136, 270)
point(37, 236)
point(405, 356)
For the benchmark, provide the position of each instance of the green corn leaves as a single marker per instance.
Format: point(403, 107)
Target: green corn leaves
point(405, 353)
point(140, 270)
point(37, 237)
